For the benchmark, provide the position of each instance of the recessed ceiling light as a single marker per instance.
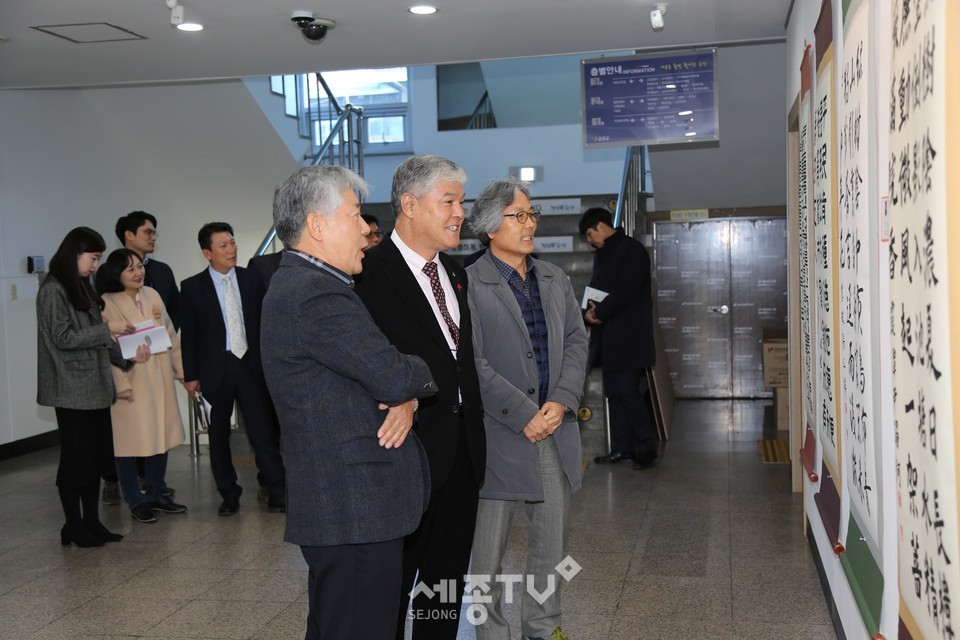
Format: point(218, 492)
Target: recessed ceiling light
point(684, 113)
point(690, 133)
point(670, 86)
point(190, 26)
point(422, 10)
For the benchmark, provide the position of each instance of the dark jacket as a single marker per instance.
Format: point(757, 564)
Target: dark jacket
point(160, 276)
point(265, 266)
point(327, 368)
point(203, 336)
point(391, 294)
point(621, 268)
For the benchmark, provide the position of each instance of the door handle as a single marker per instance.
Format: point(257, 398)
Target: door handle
point(722, 310)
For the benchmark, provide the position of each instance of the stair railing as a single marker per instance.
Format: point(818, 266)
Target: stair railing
point(632, 199)
point(342, 146)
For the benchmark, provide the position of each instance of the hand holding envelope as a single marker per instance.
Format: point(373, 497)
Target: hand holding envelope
point(148, 334)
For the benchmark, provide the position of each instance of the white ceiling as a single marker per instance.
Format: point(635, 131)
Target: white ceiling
point(256, 37)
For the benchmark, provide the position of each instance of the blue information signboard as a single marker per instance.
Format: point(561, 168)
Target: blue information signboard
point(663, 98)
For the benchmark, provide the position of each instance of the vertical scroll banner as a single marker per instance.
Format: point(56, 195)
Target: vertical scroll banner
point(807, 295)
point(924, 212)
point(826, 230)
point(858, 411)
point(858, 282)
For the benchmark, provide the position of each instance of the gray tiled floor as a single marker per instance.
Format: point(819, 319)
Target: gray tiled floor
point(707, 544)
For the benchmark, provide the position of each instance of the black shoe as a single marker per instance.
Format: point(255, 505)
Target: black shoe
point(645, 461)
point(79, 536)
point(613, 456)
point(276, 506)
point(228, 507)
point(169, 492)
point(143, 513)
point(102, 532)
point(167, 505)
point(263, 495)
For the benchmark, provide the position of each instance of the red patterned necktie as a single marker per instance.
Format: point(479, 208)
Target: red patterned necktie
point(431, 270)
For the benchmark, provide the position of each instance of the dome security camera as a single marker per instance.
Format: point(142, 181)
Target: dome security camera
point(313, 28)
point(656, 16)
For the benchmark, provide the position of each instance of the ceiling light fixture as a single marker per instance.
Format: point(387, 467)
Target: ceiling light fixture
point(178, 19)
point(422, 10)
point(684, 113)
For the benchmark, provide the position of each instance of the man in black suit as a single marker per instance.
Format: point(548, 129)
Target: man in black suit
point(418, 298)
point(265, 266)
point(621, 335)
point(137, 231)
point(221, 359)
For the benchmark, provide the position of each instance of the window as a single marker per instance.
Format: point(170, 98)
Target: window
point(383, 94)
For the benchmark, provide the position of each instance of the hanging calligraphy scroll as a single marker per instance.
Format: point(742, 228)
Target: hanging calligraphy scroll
point(825, 231)
point(925, 305)
point(858, 415)
point(804, 239)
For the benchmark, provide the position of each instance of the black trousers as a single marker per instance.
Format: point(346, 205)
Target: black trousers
point(438, 552)
point(247, 389)
point(354, 590)
point(631, 423)
point(86, 446)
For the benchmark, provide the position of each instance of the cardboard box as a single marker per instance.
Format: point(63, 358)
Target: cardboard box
point(781, 405)
point(775, 368)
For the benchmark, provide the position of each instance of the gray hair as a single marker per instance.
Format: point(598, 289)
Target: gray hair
point(487, 212)
point(418, 175)
point(316, 188)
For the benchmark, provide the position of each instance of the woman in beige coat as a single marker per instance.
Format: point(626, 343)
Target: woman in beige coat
point(146, 418)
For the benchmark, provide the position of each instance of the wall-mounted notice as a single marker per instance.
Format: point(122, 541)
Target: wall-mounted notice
point(663, 98)
point(925, 318)
point(825, 232)
point(857, 409)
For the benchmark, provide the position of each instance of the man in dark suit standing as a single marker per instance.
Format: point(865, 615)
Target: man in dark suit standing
point(265, 266)
point(418, 297)
point(358, 482)
point(621, 335)
point(137, 231)
point(220, 340)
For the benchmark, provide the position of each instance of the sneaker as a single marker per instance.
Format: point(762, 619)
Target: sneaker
point(111, 493)
point(167, 505)
point(143, 513)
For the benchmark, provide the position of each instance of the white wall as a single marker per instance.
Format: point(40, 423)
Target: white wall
point(187, 153)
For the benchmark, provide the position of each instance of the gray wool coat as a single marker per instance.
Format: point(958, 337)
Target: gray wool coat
point(74, 353)
point(509, 382)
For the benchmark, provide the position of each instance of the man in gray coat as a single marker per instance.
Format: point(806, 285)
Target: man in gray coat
point(531, 352)
point(357, 479)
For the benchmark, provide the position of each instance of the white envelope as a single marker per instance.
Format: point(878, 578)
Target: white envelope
point(156, 338)
point(592, 295)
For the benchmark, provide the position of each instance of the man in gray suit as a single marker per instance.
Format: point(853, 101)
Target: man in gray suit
point(531, 352)
point(357, 479)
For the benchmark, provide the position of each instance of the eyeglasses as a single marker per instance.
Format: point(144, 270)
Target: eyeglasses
point(150, 233)
point(375, 234)
point(522, 216)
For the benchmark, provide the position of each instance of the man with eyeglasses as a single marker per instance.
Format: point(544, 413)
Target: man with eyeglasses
point(530, 347)
point(137, 231)
point(621, 336)
point(375, 235)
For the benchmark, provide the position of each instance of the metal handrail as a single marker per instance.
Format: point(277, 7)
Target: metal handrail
point(351, 119)
point(632, 198)
point(482, 116)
